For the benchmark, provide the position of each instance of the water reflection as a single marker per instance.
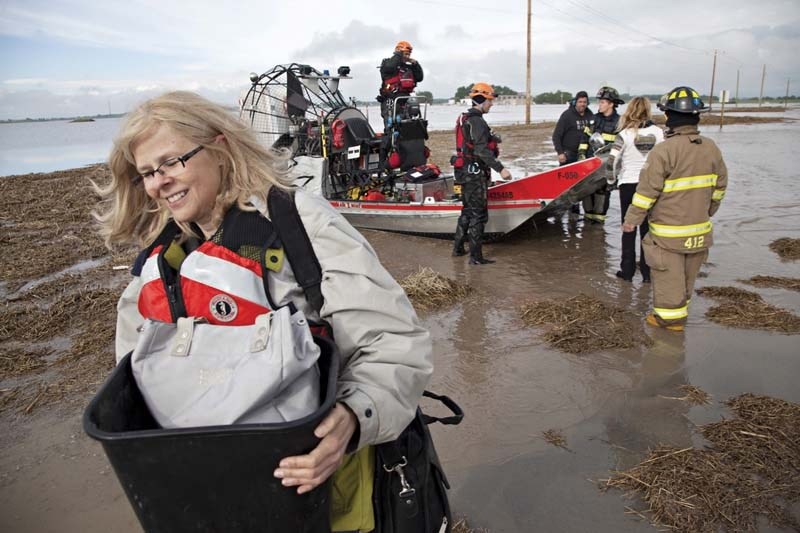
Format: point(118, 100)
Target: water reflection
point(648, 415)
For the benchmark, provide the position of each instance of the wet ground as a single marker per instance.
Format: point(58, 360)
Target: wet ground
point(610, 406)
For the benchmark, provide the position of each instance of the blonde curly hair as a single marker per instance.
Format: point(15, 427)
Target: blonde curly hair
point(127, 215)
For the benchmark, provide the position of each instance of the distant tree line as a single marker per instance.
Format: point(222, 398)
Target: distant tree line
point(463, 92)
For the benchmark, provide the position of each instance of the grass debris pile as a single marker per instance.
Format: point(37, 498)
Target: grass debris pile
point(692, 395)
point(428, 290)
point(555, 437)
point(746, 309)
point(58, 314)
point(582, 324)
point(460, 525)
point(786, 248)
point(751, 467)
point(774, 282)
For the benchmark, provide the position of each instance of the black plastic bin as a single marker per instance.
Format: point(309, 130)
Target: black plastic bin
point(217, 478)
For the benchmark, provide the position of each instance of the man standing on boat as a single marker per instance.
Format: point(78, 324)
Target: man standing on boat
point(476, 157)
point(568, 135)
point(681, 186)
point(400, 75)
point(604, 122)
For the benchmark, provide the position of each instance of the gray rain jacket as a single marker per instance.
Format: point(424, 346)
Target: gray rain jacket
point(386, 353)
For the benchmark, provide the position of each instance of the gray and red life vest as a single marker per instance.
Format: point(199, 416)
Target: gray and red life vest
point(465, 147)
point(224, 279)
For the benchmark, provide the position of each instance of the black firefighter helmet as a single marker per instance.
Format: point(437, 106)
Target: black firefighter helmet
point(682, 99)
point(610, 93)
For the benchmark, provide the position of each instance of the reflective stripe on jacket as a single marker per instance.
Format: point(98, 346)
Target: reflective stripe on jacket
point(600, 123)
point(681, 185)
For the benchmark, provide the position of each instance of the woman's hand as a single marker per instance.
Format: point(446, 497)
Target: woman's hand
point(307, 472)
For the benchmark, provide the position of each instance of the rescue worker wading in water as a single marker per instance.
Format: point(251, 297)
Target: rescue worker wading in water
point(400, 75)
point(681, 185)
point(604, 123)
point(476, 155)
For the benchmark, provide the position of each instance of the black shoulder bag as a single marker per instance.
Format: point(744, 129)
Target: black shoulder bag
point(410, 488)
point(410, 492)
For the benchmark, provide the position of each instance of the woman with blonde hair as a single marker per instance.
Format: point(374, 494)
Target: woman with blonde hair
point(637, 136)
point(181, 158)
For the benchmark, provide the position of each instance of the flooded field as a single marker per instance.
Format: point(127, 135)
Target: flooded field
point(610, 406)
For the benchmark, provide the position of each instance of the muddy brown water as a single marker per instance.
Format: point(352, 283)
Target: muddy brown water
point(611, 406)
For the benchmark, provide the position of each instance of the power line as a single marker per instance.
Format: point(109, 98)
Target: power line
point(569, 15)
point(631, 28)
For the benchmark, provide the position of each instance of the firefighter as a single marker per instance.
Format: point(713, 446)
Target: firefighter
point(400, 75)
point(681, 186)
point(476, 155)
point(604, 123)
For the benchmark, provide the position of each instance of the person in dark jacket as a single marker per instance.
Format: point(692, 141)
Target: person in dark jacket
point(479, 153)
point(604, 123)
point(568, 135)
point(400, 75)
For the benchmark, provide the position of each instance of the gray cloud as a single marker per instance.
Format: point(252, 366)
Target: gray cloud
point(356, 39)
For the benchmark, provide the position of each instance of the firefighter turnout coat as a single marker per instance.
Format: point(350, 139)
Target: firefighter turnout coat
point(681, 184)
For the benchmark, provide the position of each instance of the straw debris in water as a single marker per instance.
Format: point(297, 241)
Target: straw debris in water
point(746, 309)
point(460, 526)
point(581, 324)
point(751, 467)
point(555, 437)
point(786, 248)
point(65, 324)
point(428, 290)
point(774, 282)
point(692, 395)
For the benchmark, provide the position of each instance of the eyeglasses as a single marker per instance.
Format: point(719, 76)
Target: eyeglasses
point(169, 167)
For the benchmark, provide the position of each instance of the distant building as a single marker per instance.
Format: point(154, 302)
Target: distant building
point(503, 99)
point(511, 99)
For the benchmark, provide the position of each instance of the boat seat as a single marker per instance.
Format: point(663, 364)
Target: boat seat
point(412, 129)
point(361, 132)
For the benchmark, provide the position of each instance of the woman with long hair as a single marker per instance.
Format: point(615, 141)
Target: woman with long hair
point(181, 160)
point(637, 136)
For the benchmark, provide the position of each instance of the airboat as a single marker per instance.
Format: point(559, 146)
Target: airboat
point(382, 180)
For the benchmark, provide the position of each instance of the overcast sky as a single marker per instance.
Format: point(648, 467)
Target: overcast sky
point(74, 57)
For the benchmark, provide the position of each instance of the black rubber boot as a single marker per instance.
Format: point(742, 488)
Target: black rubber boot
point(480, 261)
point(458, 242)
point(476, 246)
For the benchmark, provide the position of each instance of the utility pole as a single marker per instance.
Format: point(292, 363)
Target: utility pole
point(737, 88)
point(763, 75)
point(713, 75)
point(528, 72)
point(786, 98)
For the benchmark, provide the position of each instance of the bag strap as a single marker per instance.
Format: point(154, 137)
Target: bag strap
point(392, 455)
point(454, 420)
point(296, 244)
